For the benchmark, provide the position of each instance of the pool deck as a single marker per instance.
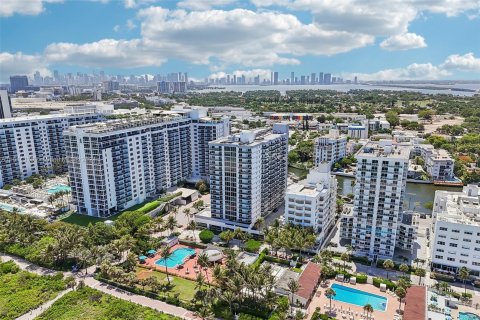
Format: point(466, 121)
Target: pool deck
point(188, 271)
point(343, 310)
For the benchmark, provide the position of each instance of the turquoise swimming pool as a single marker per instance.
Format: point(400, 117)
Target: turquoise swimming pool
point(7, 207)
point(359, 297)
point(468, 316)
point(177, 257)
point(59, 188)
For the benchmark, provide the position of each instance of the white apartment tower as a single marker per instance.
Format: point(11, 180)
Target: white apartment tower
point(248, 175)
point(5, 105)
point(34, 144)
point(330, 148)
point(456, 230)
point(379, 193)
point(314, 203)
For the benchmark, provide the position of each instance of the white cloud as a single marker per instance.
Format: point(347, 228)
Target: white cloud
point(241, 36)
point(404, 41)
point(30, 7)
point(19, 63)
point(467, 62)
point(104, 53)
point(203, 4)
point(130, 25)
point(415, 71)
point(116, 28)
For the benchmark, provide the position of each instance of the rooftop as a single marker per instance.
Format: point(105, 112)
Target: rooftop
point(386, 149)
point(415, 303)
point(249, 138)
point(308, 280)
point(460, 207)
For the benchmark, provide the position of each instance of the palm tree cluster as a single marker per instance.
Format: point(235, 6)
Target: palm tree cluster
point(237, 286)
point(288, 237)
point(57, 199)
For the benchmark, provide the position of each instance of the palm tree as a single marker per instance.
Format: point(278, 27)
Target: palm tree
point(464, 275)
point(404, 268)
point(227, 236)
point(330, 293)
point(420, 273)
point(368, 309)
point(344, 257)
point(203, 262)
point(192, 225)
point(444, 287)
point(171, 224)
point(293, 287)
point(401, 293)
point(259, 223)
point(164, 254)
point(388, 265)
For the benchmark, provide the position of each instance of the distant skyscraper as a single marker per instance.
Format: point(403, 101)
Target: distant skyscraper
point(5, 105)
point(257, 80)
point(292, 78)
point(327, 79)
point(313, 78)
point(302, 79)
point(275, 78)
point(18, 83)
point(56, 76)
point(356, 80)
point(320, 78)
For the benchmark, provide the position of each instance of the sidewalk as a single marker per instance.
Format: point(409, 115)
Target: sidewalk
point(95, 284)
point(36, 312)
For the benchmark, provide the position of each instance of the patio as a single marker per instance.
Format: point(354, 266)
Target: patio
point(190, 268)
point(343, 310)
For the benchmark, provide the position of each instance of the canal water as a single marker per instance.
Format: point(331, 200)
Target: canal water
point(416, 196)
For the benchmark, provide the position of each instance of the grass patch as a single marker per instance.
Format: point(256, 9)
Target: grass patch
point(185, 288)
point(22, 291)
point(84, 220)
point(91, 304)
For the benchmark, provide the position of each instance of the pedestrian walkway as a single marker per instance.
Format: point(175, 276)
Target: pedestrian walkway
point(105, 288)
point(36, 312)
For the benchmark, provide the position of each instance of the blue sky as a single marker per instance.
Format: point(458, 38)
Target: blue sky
point(414, 39)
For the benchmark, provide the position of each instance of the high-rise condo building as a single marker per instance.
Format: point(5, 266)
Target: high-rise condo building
point(379, 194)
point(327, 78)
point(292, 78)
point(171, 87)
point(116, 164)
point(456, 230)
point(320, 78)
point(314, 203)
point(35, 144)
point(313, 77)
point(275, 78)
point(5, 105)
point(330, 148)
point(248, 177)
point(18, 83)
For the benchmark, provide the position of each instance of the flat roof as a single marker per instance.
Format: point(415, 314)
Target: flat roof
point(415, 303)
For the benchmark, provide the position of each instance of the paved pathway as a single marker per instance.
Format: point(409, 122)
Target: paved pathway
point(91, 282)
point(36, 312)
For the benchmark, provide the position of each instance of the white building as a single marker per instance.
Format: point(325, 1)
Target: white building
point(82, 108)
point(456, 230)
point(34, 144)
point(248, 177)
point(379, 193)
point(438, 162)
point(358, 131)
point(117, 164)
point(171, 86)
point(314, 203)
point(330, 148)
point(5, 105)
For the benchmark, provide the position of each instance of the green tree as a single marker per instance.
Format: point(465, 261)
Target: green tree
point(392, 118)
point(368, 309)
point(388, 265)
point(401, 293)
point(293, 286)
point(420, 273)
point(164, 254)
point(404, 268)
point(330, 293)
point(464, 275)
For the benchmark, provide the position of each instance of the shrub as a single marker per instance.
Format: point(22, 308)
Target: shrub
point(252, 245)
point(260, 259)
point(206, 236)
point(192, 244)
point(149, 206)
point(442, 277)
point(243, 316)
point(277, 260)
point(361, 278)
point(390, 285)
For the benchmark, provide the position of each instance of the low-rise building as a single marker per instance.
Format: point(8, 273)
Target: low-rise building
point(438, 162)
point(358, 131)
point(330, 148)
point(456, 230)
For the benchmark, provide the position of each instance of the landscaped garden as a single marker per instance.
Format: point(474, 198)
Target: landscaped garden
point(22, 291)
point(90, 304)
point(183, 287)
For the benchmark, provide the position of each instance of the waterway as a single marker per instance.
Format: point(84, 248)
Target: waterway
point(416, 196)
point(442, 89)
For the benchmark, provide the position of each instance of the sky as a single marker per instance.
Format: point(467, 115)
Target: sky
point(371, 39)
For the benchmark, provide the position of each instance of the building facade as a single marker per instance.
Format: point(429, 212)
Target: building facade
point(330, 148)
point(438, 162)
point(248, 175)
point(456, 230)
point(5, 105)
point(35, 145)
point(314, 203)
point(379, 194)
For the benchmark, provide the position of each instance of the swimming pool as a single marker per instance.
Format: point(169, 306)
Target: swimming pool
point(7, 207)
point(359, 297)
point(468, 316)
point(176, 258)
point(59, 188)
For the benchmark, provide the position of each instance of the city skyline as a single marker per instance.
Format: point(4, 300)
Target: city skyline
point(406, 41)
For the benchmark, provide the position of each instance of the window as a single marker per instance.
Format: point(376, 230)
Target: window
point(451, 259)
point(456, 231)
point(453, 245)
point(438, 257)
point(443, 229)
point(442, 243)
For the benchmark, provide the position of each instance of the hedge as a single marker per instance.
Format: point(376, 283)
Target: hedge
point(442, 277)
point(252, 245)
point(206, 236)
point(244, 316)
point(260, 259)
point(277, 260)
point(361, 278)
point(192, 244)
point(390, 285)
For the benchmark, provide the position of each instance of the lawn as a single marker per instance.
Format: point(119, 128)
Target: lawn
point(91, 304)
point(184, 287)
point(84, 220)
point(23, 291)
